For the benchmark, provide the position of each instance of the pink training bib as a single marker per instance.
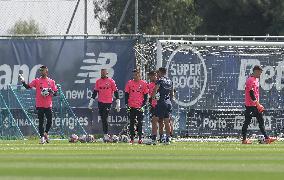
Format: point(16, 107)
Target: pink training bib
point(151, 87)
point(136, 92)
point(252, 83)
point(105, 87)
point(39, 84)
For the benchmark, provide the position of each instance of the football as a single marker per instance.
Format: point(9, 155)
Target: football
point(90, 138)
point(261, 139)
point(124, 138)
point(87, 138)
point(114, 138)
point(44, 92)
point(73, 138)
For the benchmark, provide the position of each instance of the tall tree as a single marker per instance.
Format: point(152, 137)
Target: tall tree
point(241, 17)
point(155, 16)
point(25, 27)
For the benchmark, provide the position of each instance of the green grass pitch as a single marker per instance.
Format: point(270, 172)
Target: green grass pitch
point(29, 160)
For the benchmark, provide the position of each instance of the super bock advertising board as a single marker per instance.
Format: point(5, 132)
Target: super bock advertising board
point(210, 83)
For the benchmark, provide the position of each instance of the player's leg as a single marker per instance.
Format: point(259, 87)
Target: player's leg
point(260, 120)
point(171, 127)
point(160, 113)
point(154, 129)
point(140, 117)
point(168, 129)
point(40, 114)
point(248, 117)
point(103, 112)
point(171, 119)
point(259, 117)
point(104, 115)
point(107, 108)
point(48, 115)
point(161, 128)
point(154, 122)
point(167, 122)
point(132, 117)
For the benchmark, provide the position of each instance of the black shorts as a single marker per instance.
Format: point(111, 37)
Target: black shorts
point(153, 111)
point(104, 108)
point(163, 109)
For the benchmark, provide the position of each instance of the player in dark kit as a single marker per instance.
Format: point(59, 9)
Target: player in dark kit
point(105, 87)
point(253, 106)
point(163, 92)
point(136, 95)
point(45, 89)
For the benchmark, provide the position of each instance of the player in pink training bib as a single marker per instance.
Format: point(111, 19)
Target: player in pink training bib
point(153, 103)
point(45, 90)
point(105, 88)
point(253, 107)
point(136, 95)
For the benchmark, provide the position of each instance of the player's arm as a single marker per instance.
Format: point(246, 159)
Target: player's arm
point(26, 85)
point(145, 97)
point(253, 98)
point(126, 98)
point(114, 88)
point(150, 99)
point(149, 95)
point(53, 90)
point(145, 100)
point(94, 95)
point(173, 92)
point(146, 92)
point(250, 85)
point(126, 95)
point(155, 91)
point(116, 95)
point(21, 77)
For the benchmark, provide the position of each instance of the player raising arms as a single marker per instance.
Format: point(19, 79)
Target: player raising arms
point(253, 106)
point(136, 95)
point(164, 88)
point(105, 87)
point(45, 89)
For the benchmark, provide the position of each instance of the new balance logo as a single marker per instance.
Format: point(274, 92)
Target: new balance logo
point(92, 67)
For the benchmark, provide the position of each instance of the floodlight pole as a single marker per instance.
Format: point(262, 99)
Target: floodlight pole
point(86, 18)
point(85, 27)
point(66, 33)
point(122, 17)
point(136, 16)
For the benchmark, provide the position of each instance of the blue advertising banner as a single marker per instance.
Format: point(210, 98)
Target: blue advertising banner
point(230, 122)
point(75, 67)
point(88, 119)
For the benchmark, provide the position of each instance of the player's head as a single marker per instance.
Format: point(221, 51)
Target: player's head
point(257, 70)
point(136, 74)
point(152, 76)
point(162, 71)
point(104, 73)
point(43, 71)
point(158, 74)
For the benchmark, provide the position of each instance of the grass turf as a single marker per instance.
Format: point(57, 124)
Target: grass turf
point(194, 160)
